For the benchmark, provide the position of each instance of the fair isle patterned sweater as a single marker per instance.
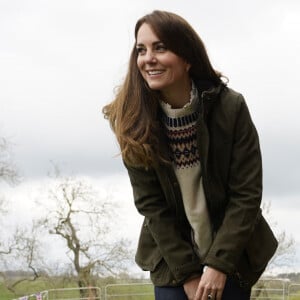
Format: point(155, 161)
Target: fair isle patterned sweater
point(181, 133)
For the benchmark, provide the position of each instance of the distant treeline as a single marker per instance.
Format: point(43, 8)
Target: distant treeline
point(61, 279)
point(19, 273)
point(293, 277)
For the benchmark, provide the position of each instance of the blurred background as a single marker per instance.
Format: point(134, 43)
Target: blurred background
point(60, 62)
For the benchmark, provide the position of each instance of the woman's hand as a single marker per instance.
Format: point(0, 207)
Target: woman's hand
point(212, 283)
point(191, 286)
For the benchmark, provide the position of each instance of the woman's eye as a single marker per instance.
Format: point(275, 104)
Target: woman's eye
point(161, 48)
point(140, 50)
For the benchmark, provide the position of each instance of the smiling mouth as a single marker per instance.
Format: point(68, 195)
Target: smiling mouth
point(154, 72)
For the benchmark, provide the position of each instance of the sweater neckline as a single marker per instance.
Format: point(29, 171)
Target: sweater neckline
point(188, 109)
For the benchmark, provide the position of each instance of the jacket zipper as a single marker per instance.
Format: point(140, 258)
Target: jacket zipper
point(201, 124)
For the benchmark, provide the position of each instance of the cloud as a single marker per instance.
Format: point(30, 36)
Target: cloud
point(60, 61)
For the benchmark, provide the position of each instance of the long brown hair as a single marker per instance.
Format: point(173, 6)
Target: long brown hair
point(133, 114)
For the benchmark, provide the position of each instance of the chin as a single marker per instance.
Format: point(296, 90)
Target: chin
point(155, 86)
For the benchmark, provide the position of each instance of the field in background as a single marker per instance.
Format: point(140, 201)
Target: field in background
point(266, 289)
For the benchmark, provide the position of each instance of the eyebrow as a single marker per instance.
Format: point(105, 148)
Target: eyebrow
point(153, 44)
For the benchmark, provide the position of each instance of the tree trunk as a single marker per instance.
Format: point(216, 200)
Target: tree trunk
point(87, 290)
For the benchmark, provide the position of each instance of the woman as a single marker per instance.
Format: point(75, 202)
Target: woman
point(193, 158)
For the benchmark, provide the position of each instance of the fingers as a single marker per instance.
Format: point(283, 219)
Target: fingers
point(211, 285)
point(208, 292)
point(190, 287)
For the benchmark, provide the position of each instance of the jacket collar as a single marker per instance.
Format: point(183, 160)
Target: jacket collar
point(208, 94)
point(207, 90)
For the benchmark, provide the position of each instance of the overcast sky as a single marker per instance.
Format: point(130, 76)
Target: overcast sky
point(60, 61)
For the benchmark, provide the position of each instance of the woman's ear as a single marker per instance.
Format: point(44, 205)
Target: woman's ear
point(188, 66)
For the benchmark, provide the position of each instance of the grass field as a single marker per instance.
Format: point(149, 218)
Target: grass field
point(130, 292)
point(4, 294)
point(113, 292)
point(123, 292)
point(24, 288)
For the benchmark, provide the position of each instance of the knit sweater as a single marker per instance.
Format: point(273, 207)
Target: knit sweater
point(182, 137)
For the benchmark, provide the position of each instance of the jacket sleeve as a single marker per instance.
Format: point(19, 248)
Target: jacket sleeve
point(161, 221)
point(244, 191)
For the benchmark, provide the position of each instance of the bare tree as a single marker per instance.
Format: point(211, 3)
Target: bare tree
point(24, 255)
point(18, 247)
point(8, 170)
point(82, 219)
point(9, 174)
point(284, 255)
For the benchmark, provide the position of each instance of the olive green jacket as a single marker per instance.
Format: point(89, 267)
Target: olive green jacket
point(243, 243)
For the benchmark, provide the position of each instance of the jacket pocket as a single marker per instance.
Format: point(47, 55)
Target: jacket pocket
point(261, 246)
point(148, 255)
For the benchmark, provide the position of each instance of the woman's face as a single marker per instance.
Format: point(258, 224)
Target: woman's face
point(161, 68)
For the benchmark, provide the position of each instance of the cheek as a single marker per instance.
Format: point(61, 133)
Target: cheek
point(181, 69)
point(139, 63)
point(140, 66)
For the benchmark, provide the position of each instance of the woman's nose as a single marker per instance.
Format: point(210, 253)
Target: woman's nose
point(150, 57)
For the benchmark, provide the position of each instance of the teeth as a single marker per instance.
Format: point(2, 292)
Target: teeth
point(154, 72)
